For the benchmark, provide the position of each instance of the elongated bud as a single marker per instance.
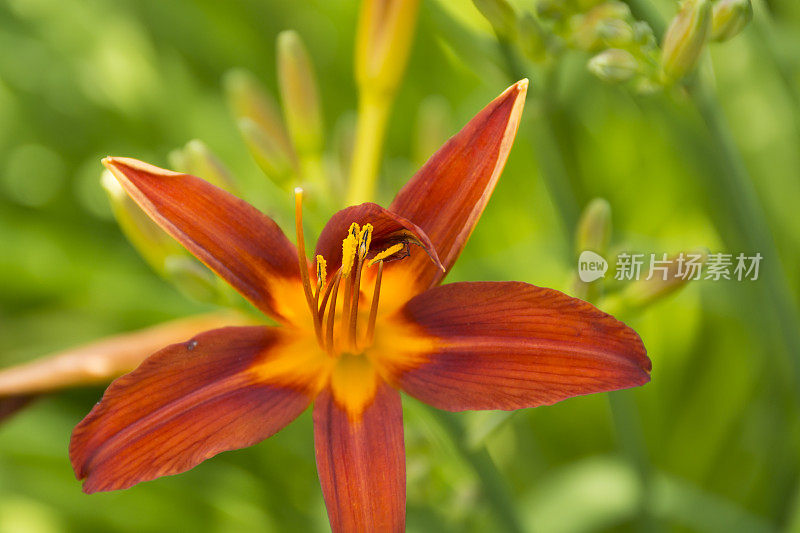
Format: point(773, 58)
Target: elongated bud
point(152, 243)
point(592, 236)
point(614, 65)
point(196, 159)
point(163, 253)
point(383, 43)
point(533, 40)
point(249, 100)
point(685, 39)
point(667, 275)
point(193, 278)
point(730, 18)
point(500, 15)
point(299, 94)
point(267, 153)
point(594, 227)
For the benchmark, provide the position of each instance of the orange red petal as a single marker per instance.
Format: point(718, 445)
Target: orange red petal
point(236, 240)
point(448, 194)
point(510, 345)
point(183, 405)
point(361, 463)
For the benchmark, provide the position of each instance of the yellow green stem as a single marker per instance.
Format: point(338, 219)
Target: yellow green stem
point(373, 116)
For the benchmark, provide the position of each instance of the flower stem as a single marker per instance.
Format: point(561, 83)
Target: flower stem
point(373, 116)
point(497, 493)
point(747, 216)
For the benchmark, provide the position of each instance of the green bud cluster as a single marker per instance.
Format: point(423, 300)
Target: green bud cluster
point(623, 49)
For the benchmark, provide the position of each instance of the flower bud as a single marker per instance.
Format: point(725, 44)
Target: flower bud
point(591, 238)
point(685, 39)
point(196, 159)
point(614, 65)
point(730, 18)
point(299, 94)
point(267, 154)
point(603, 24)
point(383, 42)
point(152, 243)
point(642, 293)
point(248, 99)
point(163, 253)
point(533, 41)
point(500, 15)
point(594, 227)
point(193, 278)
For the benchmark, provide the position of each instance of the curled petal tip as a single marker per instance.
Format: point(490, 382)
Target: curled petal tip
point(522, 85)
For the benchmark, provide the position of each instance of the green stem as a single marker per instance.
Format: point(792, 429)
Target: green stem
point(373, 117)
point(629, 434)
point(548, 150)
point(746, 214)
point(497, 493)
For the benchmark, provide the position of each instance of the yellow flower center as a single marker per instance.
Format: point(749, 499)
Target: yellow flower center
point(348, 355)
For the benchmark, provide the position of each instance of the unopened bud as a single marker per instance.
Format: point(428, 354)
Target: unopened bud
point(163, 253)
point(267, 154)
point(643, 35)
point(603, 25)
point(299, 94)
point(614, 65)
point(685, 39)
point(152, 243)
point(532, 38)
point(192, 278)
point(249, 100)
point(383, 43)
point(663, 281)
point(730, 18)
point(196, 159)
point(500, 15)
point(594, 227)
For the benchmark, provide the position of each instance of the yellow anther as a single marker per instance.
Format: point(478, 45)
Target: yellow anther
point(364, 239)
point(349, 249)
point(387, 253)
point(322, 271)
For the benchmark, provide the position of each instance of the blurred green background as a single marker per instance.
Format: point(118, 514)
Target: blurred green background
point(711, 444)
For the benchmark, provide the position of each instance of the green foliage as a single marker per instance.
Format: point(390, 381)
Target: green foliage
point(710, 445)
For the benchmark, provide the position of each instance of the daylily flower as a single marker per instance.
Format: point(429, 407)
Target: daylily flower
point(365, 319)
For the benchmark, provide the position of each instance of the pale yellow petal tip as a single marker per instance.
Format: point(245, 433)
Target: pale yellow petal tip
point(522, 84)
point(118, 163)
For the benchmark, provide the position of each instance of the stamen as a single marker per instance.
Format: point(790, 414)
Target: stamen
point(349, 255)
point(332, 314)
point(353, 318)
point(303, 260)
point(386, 253)
point(364, 239)
point(373, 310)
point(322, 273)
point(327, 294)
point(349, 248)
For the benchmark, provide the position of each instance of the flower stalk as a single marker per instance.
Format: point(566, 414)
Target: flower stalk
point(383, 43)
